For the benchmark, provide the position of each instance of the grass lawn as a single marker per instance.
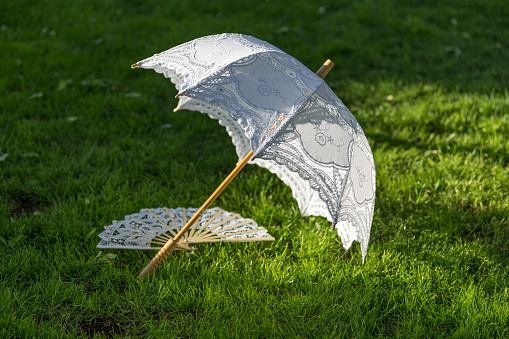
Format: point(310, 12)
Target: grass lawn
point(81, 144)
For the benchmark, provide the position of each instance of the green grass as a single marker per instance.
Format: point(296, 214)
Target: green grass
point(81, 145)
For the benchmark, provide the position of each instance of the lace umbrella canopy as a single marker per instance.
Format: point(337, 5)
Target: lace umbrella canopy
point(287, 116)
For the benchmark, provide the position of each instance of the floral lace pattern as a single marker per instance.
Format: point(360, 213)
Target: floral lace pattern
point(294, 123)
point(152, 228)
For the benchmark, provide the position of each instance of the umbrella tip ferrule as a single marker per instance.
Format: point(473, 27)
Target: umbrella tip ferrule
point(136, 65)
point(326, 67)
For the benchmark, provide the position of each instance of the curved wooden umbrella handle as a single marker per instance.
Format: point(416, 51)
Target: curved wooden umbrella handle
point(172, 243)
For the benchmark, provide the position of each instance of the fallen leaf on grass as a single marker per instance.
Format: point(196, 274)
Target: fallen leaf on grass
point(283, 29)
point(93, 82)
point(11, 243)
point(35, 96)
point(450, 138)
point(132, 95)
point(108, 258)
point(62, 84)
point(454, 50)
point(30, 155)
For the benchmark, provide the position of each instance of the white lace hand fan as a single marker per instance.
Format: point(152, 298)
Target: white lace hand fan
point(152, 228)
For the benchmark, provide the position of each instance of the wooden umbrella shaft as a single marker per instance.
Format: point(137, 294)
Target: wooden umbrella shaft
point(324, 70)
point(172, 243)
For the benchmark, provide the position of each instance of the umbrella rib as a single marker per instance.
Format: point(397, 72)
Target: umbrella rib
point(202, 229)
point(237, 233)
point(235, 240)
point(222, 222)
point(343, 184)
point(193, 229)
point(173, 221)
point(162, 234)
point(147, 241)
point(184, 221)
point(249, 239)
point(160, 221)
point(152, 228)
point(231, 234)
point(233, 226)
point(130, 232)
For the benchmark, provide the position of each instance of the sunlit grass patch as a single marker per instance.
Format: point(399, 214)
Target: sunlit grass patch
point(85, 140)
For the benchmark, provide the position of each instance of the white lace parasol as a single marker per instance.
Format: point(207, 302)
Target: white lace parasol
point(295, 125)
point(292, 121)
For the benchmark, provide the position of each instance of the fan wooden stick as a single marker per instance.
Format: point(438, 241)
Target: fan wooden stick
point(172, 243)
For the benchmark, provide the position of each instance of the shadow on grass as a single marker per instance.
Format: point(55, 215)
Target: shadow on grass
point(430, 230)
